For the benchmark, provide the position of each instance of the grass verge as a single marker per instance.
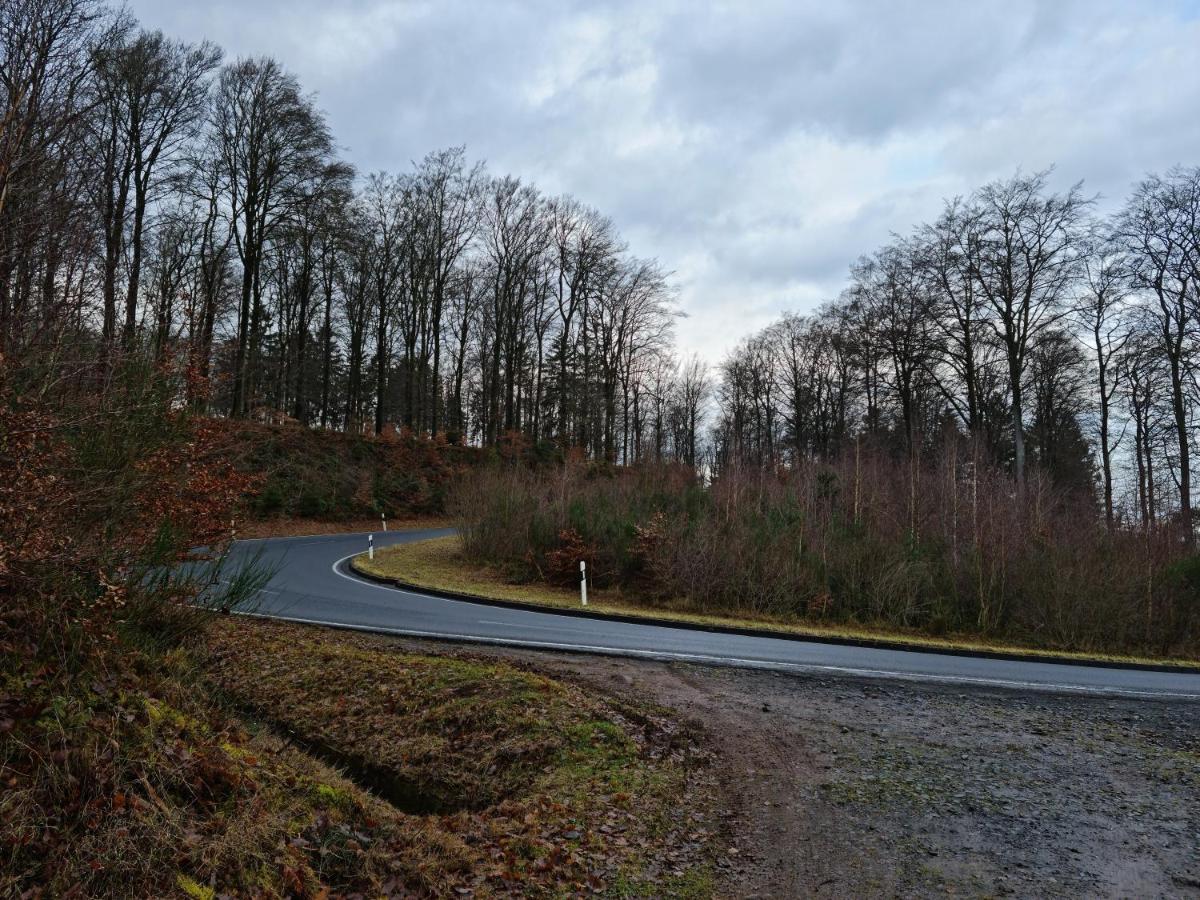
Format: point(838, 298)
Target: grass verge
point(514, 782)
point(438, 563)
point(276, 760)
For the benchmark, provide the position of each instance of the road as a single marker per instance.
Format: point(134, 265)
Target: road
point(312, 583)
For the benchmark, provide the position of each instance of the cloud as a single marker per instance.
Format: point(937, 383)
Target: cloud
point(756, 149)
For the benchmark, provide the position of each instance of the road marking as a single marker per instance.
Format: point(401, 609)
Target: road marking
point(735, 661)
point(383, 587)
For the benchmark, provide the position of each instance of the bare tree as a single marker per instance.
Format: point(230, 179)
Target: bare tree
point(1030, 245)
point(902, 314)
point(1158, 228)
point(383, 206)
point(1104, 290)
point(948, 251)
point(154, 94)
point(273, 143)
point(46, 74)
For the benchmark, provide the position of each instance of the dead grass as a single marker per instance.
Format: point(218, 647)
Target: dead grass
point(138, 785)
point(520, 783)
point(275, 760)
point(285, 526)
point(439, 563)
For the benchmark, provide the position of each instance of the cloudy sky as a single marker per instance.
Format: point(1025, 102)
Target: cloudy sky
point(756, 149)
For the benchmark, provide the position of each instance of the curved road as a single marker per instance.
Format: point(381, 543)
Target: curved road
point(312, 583)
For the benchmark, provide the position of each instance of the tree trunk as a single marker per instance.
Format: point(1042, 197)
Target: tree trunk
point(135, 269)
point(1185, 472)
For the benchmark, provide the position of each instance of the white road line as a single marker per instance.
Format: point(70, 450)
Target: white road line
point(365, 583)
point(739, 662)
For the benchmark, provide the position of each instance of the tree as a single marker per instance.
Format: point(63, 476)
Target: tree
point(46, 73)
point(446, 194)
point(155, 96)
point(1104, 290)
point(273, 145)
point(515, 234)
point(901, 313)
point(948, 251)
point(692, 392)
point(383, 208)
point(1058, 385)
point(1030, 246)
point(1160, 230)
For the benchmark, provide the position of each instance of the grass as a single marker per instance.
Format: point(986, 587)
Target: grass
point(284, 526)
point(157, 791)
point(278, 760)
point(505, 774)
point(439, 563)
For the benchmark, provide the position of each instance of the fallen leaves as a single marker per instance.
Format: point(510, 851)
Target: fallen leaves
point(567, 820)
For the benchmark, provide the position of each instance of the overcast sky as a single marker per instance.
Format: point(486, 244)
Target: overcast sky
point(756, 149)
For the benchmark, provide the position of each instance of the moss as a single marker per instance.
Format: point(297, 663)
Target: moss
point(514, 760)
point(329, 795)
point(194, 889)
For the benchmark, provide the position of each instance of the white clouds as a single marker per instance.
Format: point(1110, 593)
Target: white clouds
point(757, 149)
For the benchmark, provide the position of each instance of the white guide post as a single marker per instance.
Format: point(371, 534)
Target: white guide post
point(370, 546)
point(383, 519)
point(583, 582)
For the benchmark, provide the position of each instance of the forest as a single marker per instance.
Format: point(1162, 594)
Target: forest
point(165, 209)
point(154, 200)
point(158, 200)
point(208, 315)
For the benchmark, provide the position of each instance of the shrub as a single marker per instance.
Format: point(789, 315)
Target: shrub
point(331, 475)
point(102, 496)
point(945, 545)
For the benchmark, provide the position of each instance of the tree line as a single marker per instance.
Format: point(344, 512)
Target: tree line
point(1045, 334)
point(157, 201)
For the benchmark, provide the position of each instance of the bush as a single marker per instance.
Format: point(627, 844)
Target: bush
point(102, 496)
point(516, 517)
point(331, 475)
point(943, 546)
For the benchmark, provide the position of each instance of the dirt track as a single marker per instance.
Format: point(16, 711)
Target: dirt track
point(871, 788)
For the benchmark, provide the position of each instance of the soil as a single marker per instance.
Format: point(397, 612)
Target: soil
point(859, 788)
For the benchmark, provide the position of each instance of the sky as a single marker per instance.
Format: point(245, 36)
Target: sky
point(756, 149)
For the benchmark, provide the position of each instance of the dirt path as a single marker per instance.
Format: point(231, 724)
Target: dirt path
point(871, 788)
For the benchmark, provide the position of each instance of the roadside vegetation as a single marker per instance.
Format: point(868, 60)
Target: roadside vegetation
point(149, 747)
point(325, 476)
point(440, 564)
point(938, 548)
point(496, 779)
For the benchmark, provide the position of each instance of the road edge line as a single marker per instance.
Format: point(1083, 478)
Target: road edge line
point(902, 646)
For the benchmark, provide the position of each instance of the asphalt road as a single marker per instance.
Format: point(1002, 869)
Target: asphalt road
point(312, 583)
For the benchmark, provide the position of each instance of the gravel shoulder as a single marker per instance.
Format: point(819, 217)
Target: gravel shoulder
point(871, 788)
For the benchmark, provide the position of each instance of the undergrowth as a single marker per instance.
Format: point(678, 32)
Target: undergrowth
point(150, 746)
point(936, 547)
